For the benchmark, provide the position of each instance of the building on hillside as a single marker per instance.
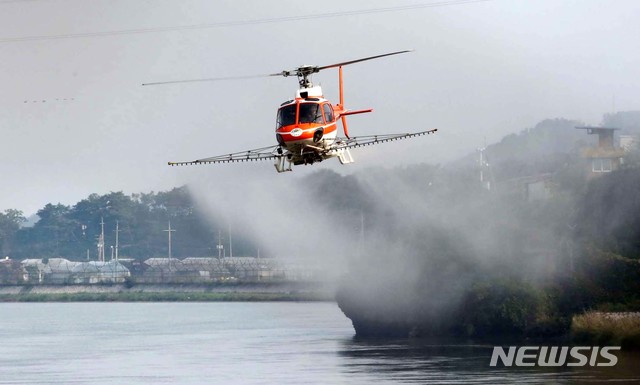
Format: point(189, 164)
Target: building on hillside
point(629, 142)
point(605, 157)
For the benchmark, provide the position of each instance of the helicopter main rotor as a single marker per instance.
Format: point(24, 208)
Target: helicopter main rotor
point(303, 72)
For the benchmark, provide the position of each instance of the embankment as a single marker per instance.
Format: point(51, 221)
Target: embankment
point(280, 291)
point(602, 328)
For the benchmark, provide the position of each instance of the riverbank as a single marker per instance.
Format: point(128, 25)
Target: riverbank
point(602, 328)
point(168, 293)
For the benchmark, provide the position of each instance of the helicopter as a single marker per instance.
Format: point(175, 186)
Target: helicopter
point(307, 125)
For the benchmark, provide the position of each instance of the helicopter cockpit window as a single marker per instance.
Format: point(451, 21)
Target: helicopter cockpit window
point(311, 113)
point(287, 116)
point(328, 112)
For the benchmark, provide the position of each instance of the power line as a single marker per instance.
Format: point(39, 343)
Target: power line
point(15, 1)
point(242, 22)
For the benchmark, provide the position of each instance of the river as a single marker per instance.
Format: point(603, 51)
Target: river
point(242, 343)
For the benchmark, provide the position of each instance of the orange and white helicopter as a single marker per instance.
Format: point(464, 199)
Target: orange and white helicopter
point(306, 129)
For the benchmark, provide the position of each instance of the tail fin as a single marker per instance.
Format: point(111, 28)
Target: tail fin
point(344, 120)
point(346, 112)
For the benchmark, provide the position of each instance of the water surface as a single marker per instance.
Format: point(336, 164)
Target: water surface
point(241, 343)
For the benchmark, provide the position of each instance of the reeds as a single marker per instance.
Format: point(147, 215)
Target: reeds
point(600, 328)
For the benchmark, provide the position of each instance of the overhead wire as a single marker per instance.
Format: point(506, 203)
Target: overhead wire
point(15, 1)
point(238, 23)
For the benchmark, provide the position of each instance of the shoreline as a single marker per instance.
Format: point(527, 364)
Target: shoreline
point(245, 292)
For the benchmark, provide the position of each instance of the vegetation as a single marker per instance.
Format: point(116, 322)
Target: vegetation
point(502, 307)
point(477, 263)
point(10, 221)
point(168, 296)
point(609, 216)
point(617, 329)
point(71, 231)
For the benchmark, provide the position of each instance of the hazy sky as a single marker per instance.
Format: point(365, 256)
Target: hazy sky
point(479, 70)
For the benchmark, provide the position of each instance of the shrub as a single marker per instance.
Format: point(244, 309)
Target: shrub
point(619, 329)
point(503, 307)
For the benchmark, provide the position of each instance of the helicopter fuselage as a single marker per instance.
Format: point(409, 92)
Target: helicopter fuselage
point(307, 125)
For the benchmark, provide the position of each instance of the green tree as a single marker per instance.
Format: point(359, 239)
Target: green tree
point(54, 230)
point(10, 221)
point(609, 215)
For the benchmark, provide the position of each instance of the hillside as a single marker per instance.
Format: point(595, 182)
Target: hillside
point(449, 256)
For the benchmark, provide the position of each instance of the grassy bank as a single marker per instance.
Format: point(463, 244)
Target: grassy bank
point(218, 292)
point(161, 297)
point(599, 328)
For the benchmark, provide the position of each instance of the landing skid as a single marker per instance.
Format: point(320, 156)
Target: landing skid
point(283, 164)
point(344, 155)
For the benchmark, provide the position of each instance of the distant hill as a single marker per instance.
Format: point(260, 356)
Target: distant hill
point(443, 255)
point(548, 147)
point(551, 136)
point(544, 148)
point(627, 121)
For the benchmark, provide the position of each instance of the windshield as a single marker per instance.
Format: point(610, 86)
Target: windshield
point(287, 115)
point(310, 113)
point(328, 113)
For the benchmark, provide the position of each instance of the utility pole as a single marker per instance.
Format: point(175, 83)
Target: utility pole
point(101, 241)
point(230, 243)
point(169, 230)
point(486, 184)
point(219, 246)
point(117, 231)
point(84, 237)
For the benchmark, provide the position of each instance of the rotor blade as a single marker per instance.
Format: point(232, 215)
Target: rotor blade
point(298, 71)
point(363, 59)
point(212, 79)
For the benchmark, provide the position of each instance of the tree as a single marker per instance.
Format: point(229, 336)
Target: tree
point(54, 231)
point(609, 214)
point(10, 222)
